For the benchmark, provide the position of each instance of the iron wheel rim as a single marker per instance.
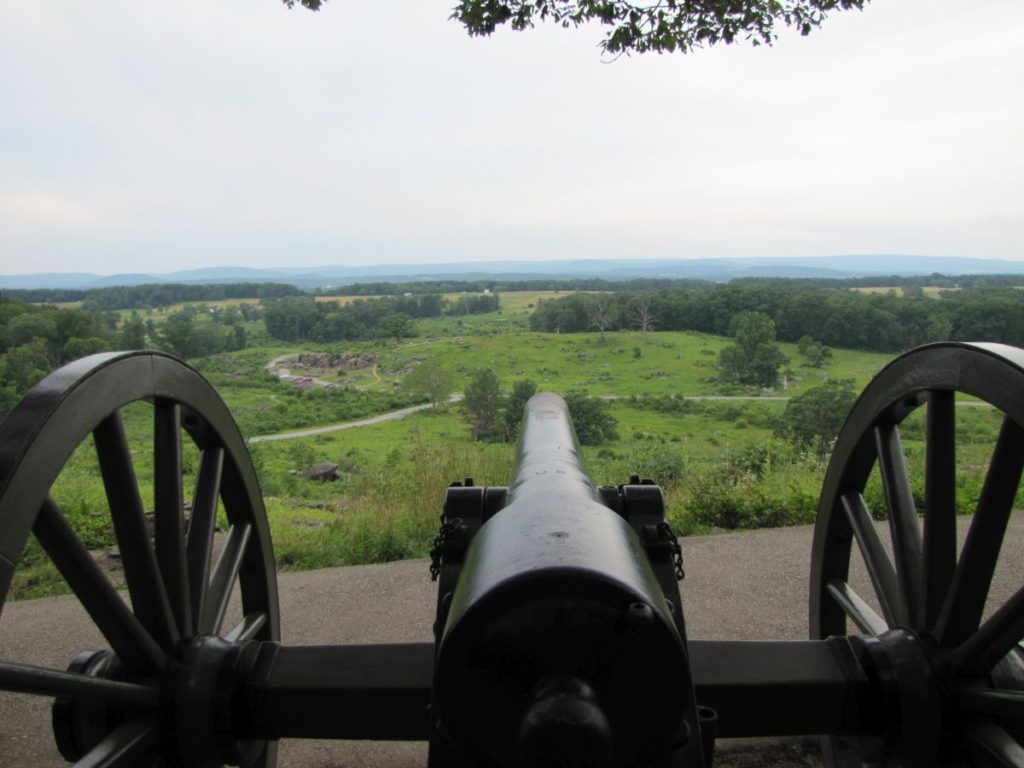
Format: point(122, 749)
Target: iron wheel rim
point(930, 585)
point(164, 609)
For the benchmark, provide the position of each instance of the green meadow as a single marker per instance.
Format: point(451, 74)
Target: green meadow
point(709, 445)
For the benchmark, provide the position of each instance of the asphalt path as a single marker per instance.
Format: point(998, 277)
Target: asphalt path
point(739, 586)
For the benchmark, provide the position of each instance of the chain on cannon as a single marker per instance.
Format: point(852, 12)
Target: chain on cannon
point(560, 637)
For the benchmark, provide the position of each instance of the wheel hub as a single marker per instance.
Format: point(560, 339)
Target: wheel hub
point(197, 693)
point(196, 712)
point(80, 724)
point(911, 720)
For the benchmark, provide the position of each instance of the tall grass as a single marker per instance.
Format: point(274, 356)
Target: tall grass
point(382, 511)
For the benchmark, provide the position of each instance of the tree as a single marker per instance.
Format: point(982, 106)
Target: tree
point(178, 334)
point(814, 352)
point(755, 357)
point(642, 313)
point(80, 347)
point(813, 419)
point(239, 337)
point(24, 365)
point(9, 397)
point(591, 417)
point(292, 318)
point(133, 332)
point(599, 312)
point(399, 326)
point(482, 401)
point(638, 27)
point(522, 391)
point(431, 380)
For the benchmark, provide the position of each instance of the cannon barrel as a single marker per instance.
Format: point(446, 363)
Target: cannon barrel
point(559, 645)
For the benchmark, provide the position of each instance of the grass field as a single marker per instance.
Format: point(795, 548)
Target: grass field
point(718, 461)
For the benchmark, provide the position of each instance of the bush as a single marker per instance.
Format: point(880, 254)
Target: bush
point(815, 417)
point(592, 418)
point(765, 486)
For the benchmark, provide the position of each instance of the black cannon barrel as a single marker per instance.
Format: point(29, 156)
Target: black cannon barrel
point(559, 647)
point(548, 457)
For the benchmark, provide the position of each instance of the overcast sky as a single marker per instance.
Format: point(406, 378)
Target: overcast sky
point(153, 136)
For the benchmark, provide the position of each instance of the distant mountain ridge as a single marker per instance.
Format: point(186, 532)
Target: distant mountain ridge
point(720, 270)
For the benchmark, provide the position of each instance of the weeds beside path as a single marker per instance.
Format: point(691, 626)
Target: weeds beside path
point(400, 413)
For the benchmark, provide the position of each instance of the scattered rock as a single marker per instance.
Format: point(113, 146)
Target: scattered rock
point(321, 472)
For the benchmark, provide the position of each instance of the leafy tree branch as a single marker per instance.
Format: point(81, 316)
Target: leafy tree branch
point(662, 26)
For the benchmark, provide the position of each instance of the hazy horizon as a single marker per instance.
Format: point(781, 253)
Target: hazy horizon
point(153, 138)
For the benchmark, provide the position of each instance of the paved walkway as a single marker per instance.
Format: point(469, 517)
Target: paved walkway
point(750, 585)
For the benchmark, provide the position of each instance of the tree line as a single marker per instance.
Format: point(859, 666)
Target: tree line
point(836, 317)
point(510, 285)
point(156, 295)
point(152, 295)
point(36, 339)
point(302, 318)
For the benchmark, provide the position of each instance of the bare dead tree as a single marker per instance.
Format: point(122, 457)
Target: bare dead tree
point(642, 313)
point(599, 312)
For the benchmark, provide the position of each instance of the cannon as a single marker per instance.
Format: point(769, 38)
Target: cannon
point(560, 637)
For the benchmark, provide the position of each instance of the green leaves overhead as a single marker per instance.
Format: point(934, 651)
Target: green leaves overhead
point(663, 26)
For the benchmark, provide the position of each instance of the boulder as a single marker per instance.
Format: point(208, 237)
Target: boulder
point(322, 472)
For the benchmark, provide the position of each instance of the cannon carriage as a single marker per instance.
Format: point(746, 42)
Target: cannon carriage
point(560, 634)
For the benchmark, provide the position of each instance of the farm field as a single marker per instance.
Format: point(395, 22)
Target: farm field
point(932, 291)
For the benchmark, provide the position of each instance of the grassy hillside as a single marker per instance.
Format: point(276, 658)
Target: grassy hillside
point(716, 459)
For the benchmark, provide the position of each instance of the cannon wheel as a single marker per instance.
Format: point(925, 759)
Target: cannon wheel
point(113, 707)
point(960, 683)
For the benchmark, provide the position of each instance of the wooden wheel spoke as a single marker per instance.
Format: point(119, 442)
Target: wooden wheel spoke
point(247, 628)
point(903, 524)
point(145, 586)
point(993, 640)
point(201, 527)
point(991, 701)
point(122, 746)
point(169, 534)
point(963, 607)
point(879, 567)
point(939, 556)
point(25, 678)
point(114, 704)
point(126, 635)
point(993, 746)
point(927, 583)
point(224, 575)
point(862, 614)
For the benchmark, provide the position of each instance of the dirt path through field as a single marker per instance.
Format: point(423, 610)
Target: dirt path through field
point(391, 416)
